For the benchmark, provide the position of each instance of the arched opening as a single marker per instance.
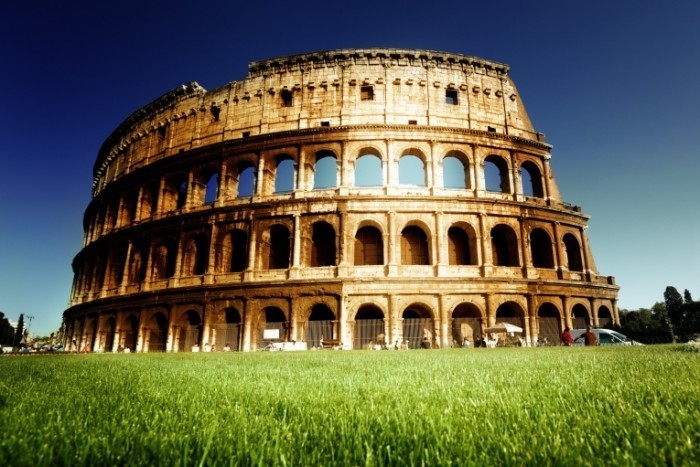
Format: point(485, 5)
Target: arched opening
point(368, 171)
point(504, 246)
point(246, 181)
point(417, 326)
point(321, 325)
point(284, 174)
point(605, 319)
point(459, 247)
point(369, 247)
point(414, 246)
point(130, 333)
point(573, 253)
point(108, 329)
point(279, 248)
point(466, 324)
point(533, 186)
point(181, 195)
point(455, 172)
point(158, 333)
point(580, 317)
point(190, 324)
point(137, 264)
point(164, 256)
point(541, 249)
point(128, 209)
point(272, 327)
point(211, 187)
point(228, 333)
point(325, 170)
point(369, 328)
point(322, 245)
point(411, 170)
point(496, 174)
point(234, 251)
point(549, 323)
point(195, 256)
point(149, 201)
point(510, 312)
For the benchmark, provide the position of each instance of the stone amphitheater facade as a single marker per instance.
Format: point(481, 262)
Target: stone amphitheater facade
point(350, 196)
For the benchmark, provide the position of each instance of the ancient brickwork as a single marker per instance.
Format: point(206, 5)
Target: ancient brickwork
point(288, 204)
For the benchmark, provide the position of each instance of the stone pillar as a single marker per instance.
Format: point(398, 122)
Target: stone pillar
point(390, 243)
point(248, 323)
point(568, 322)
point(585, 255)
point(296, 250)
point(438, 244)
point(260, 175)
point(558, 251)
point(124, 280)
point(486, 259)
point(446, 338)
point(534, 327)
point(546, 175)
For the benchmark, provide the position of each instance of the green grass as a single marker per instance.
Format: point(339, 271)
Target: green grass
point(551, 406)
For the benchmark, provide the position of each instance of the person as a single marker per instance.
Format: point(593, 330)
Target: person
point(590, 337)
point(227, 348)
point(566, 338)
point(425, 343)
point(465, 343)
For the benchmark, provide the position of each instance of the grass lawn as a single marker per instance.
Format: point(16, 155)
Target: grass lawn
point(552, 406)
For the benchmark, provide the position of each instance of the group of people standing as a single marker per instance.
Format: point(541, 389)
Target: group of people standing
point(589, 337)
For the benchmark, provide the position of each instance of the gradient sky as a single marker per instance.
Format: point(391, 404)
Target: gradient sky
point(614, 85)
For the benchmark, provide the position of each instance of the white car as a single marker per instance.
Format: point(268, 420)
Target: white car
point(605, 337)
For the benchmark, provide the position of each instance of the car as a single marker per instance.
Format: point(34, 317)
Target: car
point(605, 337)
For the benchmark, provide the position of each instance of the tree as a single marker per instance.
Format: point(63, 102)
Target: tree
point(674, 305)
point(687, 297)
point(19, 332)
point(7, 332)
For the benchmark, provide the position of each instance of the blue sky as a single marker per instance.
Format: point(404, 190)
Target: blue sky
point(613, 85)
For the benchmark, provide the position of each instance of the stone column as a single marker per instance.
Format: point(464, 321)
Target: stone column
point(259, 175)
point(568, 322)
point(391, 243)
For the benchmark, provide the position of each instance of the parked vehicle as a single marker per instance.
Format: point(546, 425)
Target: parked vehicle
point(605, 337)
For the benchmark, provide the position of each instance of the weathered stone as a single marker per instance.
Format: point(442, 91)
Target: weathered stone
point(189, 239)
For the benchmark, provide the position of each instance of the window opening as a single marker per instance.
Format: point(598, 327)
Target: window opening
point(414, 246)
point(454, 173)
point(287, 99)
point(369, 247)
point(366, 93)
point(451, 97)
point(325, 171)
point(284, 176)
point(368, 171)
point(411, 171)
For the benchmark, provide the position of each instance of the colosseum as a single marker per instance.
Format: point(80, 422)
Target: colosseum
point(342, 198)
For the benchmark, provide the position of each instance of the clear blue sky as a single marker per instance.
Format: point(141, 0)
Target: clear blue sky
point(614, 85)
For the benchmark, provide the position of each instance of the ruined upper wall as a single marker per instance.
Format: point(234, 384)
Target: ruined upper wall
point(333, 88)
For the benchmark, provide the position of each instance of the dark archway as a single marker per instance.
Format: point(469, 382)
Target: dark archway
point(369, 327)
point(158, 326)
point(321, 325)
point(504, 246)
point(541, 249)
point(417, 327)
point(573, 253)
point(580, 317)
point(466, 324)
point(549, 323)
point(322, 245)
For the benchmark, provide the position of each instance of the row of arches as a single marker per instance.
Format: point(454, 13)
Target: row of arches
point(282, 173)
point(321, 245)
point(370, 326)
